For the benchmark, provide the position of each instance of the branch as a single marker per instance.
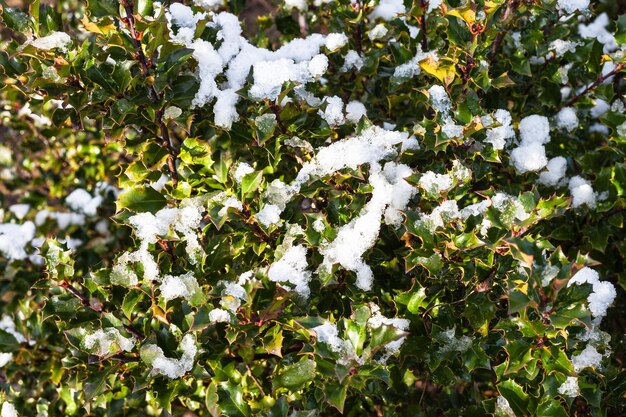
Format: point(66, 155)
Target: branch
point(508, 12)
point(154, 96)
point(601, 78)
point(423, 4)
point(98, 309)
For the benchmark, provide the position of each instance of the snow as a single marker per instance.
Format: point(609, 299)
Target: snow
point(352, 60)
point(373, 145)
point(327, 333)
point(318, 65)
point(561, 47)
point(319, 226)
point(182, 16)
point(182, 286)
point(333, 113)
point(509, 207)
point(433, 4)
point(269, 215)
point(399, 193)
point(355, 110)
point(6, 157)
point(226, 201)
point(409, 69)
point(335, 41)
point(569, 387)
point(534, 129)
point(377, 319)
point(588, 358)
point(241, 171)
point(389, 196)
point(504, 408)
point(566, 119)
point(80, 200)
point(582, 192)
point(14, 238)
point(498, 136)
point(446, 212)
point(603, 294)
point(235, 57)
point(19, 210)
point(529, 157)
point(38, 119)
point(5, 358)
point(55, 40)
point(233, 294)
point(104, 342)
point(452, 130)
point(8, 410)
point(388, 9)
point(452, 343)
point(434, 184)
point(548, 273)
point(269, 77)
point(121, 274)
point(377, 32)
point(570, 6)
point(600, 107)
point(555, 172)
point(601, 298)
point(172, 368)
point(296, 142)
point(291, 268)
point(439, 99)
point(300, 5)
point(217, 315)
point(209, 4)
point(597, 30)
point(8, 325)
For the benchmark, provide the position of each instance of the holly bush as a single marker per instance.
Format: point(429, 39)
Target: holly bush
point(312, 208)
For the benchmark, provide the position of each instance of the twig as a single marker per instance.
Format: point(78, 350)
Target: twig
point(508, 12)
point(154, 96)
point(423, 4)
point(85, 302)
point(601, 78)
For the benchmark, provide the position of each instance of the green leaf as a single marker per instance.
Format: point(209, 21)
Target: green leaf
point(232, 402)
point(131, 300)
point(385, 334)
point(96, 383)
point(8, 343)
point(297, 375)
point(141, 199)
point(515, 395)
point(103, 8)
point(211, 400)
point(620, 33)
point(417, 300)
point(551, 408)
point(251, 182)
point(336, 395)
point(14, 18)
point(100, 77)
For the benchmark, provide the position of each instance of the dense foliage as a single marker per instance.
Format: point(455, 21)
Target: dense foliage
point(311, 208)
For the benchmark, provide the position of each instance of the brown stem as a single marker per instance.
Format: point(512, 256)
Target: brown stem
point(154, 96)
point(601, 78)
point(85, 302)
point(423, 4)
point(511, 7)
